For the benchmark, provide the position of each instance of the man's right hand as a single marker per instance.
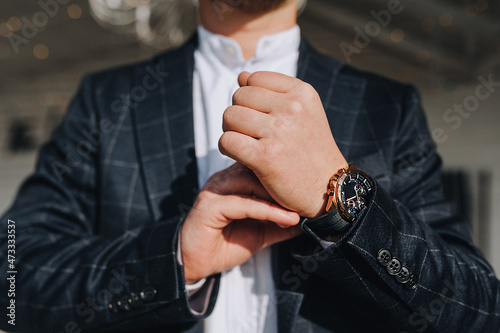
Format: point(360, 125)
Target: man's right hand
point(232, 218)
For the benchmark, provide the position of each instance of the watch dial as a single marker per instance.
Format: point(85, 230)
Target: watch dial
point(355, 189)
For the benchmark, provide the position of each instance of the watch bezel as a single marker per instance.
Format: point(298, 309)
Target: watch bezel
point(335, 191)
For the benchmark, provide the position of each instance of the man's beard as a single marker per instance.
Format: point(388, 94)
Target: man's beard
point(253, 6)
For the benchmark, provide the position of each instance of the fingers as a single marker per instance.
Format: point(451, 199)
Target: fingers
point(240, 147)
point(238, 207)
point(245, 121)
point(258, 98)
point(243, 78)
point(269, 80)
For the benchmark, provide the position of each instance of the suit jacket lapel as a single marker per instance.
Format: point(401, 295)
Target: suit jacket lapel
point(340, 94)
point(163, 126)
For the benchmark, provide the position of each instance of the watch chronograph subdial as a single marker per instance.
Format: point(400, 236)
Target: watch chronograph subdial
point(359, 189)
point(355, 188)
point(351, 204)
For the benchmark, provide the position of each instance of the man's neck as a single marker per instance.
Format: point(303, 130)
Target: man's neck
point(246, 28)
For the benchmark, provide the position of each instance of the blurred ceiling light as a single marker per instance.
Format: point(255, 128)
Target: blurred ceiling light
point(41, 51)
point(445, 20)
point(74, 11)
point(158, 23)
point(397, 35)
point(481, 5)
point(423, 56)
point(14, 24)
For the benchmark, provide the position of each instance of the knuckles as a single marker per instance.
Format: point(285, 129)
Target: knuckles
point(295, 106)
point(239, 95)
point(205, 199)
point(224, 143)
point(227, 118)
point(301, 99)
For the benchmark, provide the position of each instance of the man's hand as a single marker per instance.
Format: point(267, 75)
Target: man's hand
point(232, 218)
point(278, 128)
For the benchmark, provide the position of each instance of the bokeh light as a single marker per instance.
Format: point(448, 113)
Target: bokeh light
point(74, 11)
point(445, 20)
point(397, 35)
point(423, 56)
point(14, 24)
point(41, 51)
point(481, 5)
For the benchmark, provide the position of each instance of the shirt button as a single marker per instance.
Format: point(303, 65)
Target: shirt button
point(403, 276)
point(384, 257)
point(394, 267)
point(148, 293)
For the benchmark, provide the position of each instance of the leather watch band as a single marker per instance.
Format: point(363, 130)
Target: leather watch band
point(324, 226)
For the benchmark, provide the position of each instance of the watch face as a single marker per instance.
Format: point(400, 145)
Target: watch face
point(354, 191)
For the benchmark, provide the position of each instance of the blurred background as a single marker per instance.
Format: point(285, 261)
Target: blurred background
point(447, 48)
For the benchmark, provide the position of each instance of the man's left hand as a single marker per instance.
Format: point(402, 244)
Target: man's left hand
point(278, 128)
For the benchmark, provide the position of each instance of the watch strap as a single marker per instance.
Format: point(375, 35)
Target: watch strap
point(320, 228)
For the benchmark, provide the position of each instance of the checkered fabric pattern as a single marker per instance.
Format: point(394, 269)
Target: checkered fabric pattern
point(97, 222)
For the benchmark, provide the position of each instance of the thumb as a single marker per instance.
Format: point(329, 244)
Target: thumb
point(243, 78)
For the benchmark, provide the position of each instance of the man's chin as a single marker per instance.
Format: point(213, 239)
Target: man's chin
point(254, 6)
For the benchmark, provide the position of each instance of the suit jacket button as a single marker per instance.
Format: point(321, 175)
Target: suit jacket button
point(412, 282)
point(113, 307)
point(135, 300)
point(394, 267)
point(403, 276)
point(123, 303)
point(384, 257)
point(148, 293)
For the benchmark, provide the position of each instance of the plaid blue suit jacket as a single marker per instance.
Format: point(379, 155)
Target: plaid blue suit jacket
point(97, 222)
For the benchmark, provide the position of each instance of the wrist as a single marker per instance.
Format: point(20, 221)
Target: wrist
point(194, 285)
point(348, 196)
point(191, 282)
point(323, 196)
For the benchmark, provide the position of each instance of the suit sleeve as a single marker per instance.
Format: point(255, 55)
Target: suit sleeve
point(411, 258)
point(70, 277)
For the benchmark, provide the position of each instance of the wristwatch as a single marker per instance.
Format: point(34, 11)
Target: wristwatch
point(348, 196)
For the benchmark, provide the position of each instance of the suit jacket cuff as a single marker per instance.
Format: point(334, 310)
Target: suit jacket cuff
point(384, 226)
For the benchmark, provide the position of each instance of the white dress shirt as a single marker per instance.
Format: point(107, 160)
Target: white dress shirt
point(246, 300)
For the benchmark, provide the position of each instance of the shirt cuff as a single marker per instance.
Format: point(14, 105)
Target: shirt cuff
point(200, 299)
point(326, 244)
point(199, 292)
point(193, 288)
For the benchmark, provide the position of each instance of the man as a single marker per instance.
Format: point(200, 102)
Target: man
point(113, 234)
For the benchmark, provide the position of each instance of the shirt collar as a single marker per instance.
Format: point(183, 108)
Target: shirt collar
point(229, 51)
